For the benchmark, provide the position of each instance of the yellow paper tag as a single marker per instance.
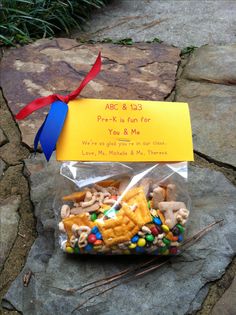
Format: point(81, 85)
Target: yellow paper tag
point(126, 131)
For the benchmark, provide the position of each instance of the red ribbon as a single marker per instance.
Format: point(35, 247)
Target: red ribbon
point(47, 100)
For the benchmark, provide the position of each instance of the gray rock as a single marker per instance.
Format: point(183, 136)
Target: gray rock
point(213, 64)
point(181, 23)
point(3, 167)
point(226, 304)
point(3, 138)
point(185, 280)
point(9, 219)
point(207, 84)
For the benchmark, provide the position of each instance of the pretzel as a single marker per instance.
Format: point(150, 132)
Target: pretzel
point(171, 192)
point(109, 182)
point(83, 239)
point(169, 208)
point(76, 196)
point(158, 196)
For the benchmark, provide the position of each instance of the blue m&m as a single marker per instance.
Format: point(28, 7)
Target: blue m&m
point(98, 236)
point(157, 221)
point(134, 239)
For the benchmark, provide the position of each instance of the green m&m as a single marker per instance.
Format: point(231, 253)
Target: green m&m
point(93, 216)
point(166, 241)
point(149, 237)
point(180, 227)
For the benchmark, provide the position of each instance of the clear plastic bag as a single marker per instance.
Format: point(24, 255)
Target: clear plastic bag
point(124, 208)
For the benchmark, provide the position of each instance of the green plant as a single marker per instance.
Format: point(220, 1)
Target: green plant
point(24, 20)
point(155, 40)
point(188, 50)
point(107, 40)
point(124, 41)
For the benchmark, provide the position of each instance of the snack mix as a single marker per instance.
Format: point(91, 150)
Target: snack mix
point(109, 218)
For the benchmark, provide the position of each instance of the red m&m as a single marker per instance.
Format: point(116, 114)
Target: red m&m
point(91, 238)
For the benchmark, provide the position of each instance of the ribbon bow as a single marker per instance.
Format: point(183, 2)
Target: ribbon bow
point(51, 128)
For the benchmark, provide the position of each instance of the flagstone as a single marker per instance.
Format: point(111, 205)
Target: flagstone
point(140, 71)
point(9, 219)
point(185, 280)
point(208, 85)
point(180, 23)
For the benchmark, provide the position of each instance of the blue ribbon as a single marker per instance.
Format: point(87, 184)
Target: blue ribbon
point(51, 128)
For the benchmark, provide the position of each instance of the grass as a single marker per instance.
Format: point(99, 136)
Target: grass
point(22, 21)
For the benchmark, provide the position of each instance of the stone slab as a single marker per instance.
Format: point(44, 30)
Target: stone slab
point(181, 23)
point(226, 304)
point(140, 71)
point(185, 280)
point(3, 167)
point(208, 85)
point(9, 219)
point(3, 138)
point(212, 64)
